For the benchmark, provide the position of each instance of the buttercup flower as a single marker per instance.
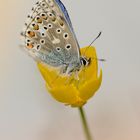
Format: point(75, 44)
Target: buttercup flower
point(67, 89)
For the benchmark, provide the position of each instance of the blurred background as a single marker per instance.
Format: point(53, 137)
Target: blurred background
point(28, 112)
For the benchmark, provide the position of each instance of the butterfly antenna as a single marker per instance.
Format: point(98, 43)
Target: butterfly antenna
point(97, 59)
point(95, 38)
point(93, 41)
point(102, 60)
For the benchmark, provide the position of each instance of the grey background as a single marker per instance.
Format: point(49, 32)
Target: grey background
point(27, 112)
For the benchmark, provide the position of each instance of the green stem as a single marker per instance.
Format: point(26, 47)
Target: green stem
point(84, 122)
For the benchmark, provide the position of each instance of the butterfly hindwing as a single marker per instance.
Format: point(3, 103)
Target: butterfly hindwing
point(49, 35)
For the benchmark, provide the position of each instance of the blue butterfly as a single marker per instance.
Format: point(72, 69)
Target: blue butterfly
point(50, 39)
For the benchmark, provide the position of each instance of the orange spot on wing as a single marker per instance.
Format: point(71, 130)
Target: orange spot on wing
point(36, 27)
point(44, 17)
point(39, 20)
point(31, 34)
point(30, 46)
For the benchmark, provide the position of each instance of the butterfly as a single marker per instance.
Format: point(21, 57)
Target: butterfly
point(50, 39)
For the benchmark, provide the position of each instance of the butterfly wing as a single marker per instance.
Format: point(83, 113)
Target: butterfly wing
point(64, 11)
point(49, 36)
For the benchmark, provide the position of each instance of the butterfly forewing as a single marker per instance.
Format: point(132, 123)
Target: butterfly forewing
point(48, 34)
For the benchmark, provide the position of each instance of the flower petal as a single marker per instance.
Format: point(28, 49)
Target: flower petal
point(51, 76)
point(65, 94)
point(89, 88)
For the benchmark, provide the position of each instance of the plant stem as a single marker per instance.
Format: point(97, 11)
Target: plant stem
point(84, 122)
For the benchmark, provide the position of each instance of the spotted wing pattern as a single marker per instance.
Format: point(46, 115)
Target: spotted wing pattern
point(49, 36)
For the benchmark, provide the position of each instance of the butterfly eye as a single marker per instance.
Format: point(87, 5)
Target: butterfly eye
point(65, 35)
point(42, 41)
point(58, 49)
point(58, 31)
point(50, 25)
point(68, 46)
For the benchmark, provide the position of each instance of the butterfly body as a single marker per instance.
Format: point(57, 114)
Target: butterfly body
point(49, 37)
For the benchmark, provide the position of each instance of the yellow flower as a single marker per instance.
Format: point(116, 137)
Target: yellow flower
point(70, 91)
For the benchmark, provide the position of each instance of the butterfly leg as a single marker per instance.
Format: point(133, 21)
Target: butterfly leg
point(73, 78)
point(63, 69)
point(69, 79)
point(83, 76)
